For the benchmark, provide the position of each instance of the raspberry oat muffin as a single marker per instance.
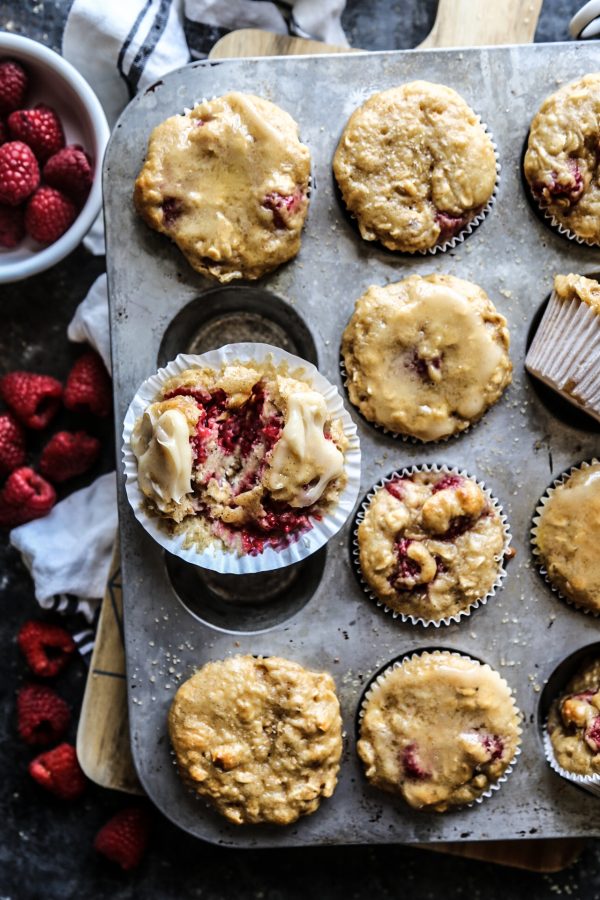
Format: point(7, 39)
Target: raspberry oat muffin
point(228, 183)
point(566, 536)
point(260, 738)
point(574, 723)
point(431, 544)
point(246, 456)
point(439, 729)
point(414, 166)
point(561, 162)
point(426, 357)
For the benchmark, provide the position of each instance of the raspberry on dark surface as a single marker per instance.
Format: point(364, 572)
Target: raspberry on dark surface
point(34, 399)
point(47, 648)
point(12, 444)
point(13, 86)
point(68, 454)
point(49, 215)
point(88, 388)
point(124, 838)
point(58, 771)
point(39, 128)
point(19, 173)
point(42, 716)
point(25, 496)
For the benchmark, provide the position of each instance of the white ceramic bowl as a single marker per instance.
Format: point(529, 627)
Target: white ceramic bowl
point(55, 82)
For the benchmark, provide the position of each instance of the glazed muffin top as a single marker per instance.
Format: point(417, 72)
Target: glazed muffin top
point(426, 357)
point(414, 165)
point(239, 455)
point(578, 287)
point(260, 738)
point(431, 544)
point(228, 183)
point(567, 535)
point(439, 729)
point(561, 162)
point(574, 723)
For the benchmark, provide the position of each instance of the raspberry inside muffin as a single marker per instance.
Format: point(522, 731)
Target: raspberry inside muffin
point(574, 723)
point(430, 544)
point(253, 460)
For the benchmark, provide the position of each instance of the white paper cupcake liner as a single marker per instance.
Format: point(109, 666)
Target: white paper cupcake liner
point(379, 679)
point(419, 620)
point(534, 529)
point(589, 783)
point(565, 232)
point(398, 435)
point(468, 229)
point(565, 353)
point(214, 557)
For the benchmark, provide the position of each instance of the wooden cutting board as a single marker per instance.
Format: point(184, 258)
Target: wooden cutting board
point(103, 743)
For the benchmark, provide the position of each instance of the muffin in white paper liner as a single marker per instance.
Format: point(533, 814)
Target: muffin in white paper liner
point(419, 620)
point(534, 531)
point(589, 783)
point(565, 352)
point(565, 232)
point(214, 557)
point(380, 678)
point(473, 223)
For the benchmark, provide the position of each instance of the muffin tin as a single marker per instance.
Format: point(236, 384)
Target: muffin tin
point(177, 617)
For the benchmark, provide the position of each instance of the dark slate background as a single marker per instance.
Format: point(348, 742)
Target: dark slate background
point(45, 846)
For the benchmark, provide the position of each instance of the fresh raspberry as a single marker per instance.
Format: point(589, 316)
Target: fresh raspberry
point(33, 398)
point(42, 716)
point(12, 226)
point(58, 771)
point(48, 215)
point(19, 173)
point(70, 171)
point(411, 763)
point(124, 838)
point(13, 85)
point(47, 648)
point(12, 444)
point(68, 454)
point(88, 387)
point(25, 496)
point(40, 128)
point(592, 735)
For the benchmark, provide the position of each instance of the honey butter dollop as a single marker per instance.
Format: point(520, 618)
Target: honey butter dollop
point(161, 444)
point(304, 460)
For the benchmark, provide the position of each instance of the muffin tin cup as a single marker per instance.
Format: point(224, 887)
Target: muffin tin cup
point(590, 783)
point(565, 232)
point(398, 663)
point(534, 547)
point(213, 556)
point(419, 620)
point(566, 351)
point(473, 223)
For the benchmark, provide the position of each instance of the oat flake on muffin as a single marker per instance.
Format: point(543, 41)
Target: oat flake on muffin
point(260, 738)
point(439, 729)
point(431, 544)
point(561, 162)
point(228, 183)
point(426, 357)
point(245, 456)
point(415, 166)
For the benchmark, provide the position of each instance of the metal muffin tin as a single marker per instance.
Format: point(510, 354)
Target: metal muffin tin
point(178, 617)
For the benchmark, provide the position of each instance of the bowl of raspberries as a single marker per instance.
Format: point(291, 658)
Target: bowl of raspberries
point(53, 133)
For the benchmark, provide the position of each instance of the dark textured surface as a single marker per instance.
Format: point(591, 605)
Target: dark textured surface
point(46, 847)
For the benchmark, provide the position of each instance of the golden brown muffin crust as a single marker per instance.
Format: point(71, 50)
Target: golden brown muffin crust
point(574, 723)
point(414, 165)
point(260, 738)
